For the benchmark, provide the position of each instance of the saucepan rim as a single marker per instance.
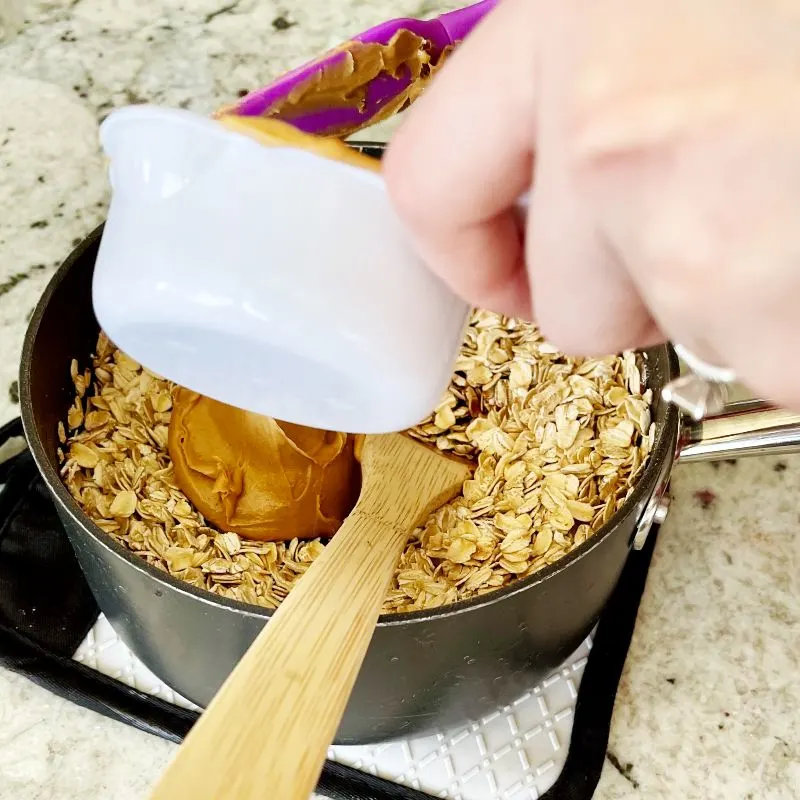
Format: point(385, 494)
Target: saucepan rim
point(665, 448)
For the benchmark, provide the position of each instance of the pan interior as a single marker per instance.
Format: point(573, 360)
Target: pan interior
point(64, 327)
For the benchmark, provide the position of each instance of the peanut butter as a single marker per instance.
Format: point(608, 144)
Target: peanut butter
point(275, 133)
point(343, 82)
point(258, 477)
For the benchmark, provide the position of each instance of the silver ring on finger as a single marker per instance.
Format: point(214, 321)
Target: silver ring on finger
point(701, 393)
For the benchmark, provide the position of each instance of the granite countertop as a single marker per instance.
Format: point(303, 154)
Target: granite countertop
point(709, 704)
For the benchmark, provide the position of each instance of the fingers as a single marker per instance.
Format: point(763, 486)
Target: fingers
point(712, 241)
point(583, 298)
point(666, 197)
point(664, 188)
point(465, 154)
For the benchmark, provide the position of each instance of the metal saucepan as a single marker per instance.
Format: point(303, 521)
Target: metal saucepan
point(423, 670)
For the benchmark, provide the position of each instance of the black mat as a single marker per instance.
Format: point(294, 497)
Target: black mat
point(46, 610)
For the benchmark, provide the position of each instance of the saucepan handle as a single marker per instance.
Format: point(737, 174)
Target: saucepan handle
point(742, 428)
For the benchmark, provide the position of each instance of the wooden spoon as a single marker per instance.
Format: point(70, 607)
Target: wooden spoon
point(266, 734)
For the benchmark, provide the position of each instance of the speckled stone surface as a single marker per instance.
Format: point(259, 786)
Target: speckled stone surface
point(710, 699)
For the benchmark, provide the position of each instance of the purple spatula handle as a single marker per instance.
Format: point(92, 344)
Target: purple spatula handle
point(459, 23)
point(343, 119)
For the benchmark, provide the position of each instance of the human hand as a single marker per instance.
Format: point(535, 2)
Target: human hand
point(660, 142)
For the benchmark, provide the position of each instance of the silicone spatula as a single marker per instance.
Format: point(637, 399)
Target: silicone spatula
point(369, 92)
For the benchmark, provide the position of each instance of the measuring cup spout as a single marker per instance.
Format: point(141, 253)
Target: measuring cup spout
point(159, 151)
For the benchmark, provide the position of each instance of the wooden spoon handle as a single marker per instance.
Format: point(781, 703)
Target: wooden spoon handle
point(286, 697)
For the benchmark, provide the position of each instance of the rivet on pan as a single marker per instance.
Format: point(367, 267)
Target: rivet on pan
point(655, 514)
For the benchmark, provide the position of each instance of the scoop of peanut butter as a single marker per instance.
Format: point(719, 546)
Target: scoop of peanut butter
point(258, 477)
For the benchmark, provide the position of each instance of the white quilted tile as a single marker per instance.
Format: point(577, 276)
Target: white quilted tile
point(515, 753)
point(102, 650)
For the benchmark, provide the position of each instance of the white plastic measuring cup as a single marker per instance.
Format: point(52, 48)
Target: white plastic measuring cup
point(269, 278)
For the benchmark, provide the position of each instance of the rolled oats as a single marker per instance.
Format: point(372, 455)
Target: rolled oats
point(558, 444)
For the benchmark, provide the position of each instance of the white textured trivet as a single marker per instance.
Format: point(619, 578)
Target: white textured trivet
point(516, 753)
